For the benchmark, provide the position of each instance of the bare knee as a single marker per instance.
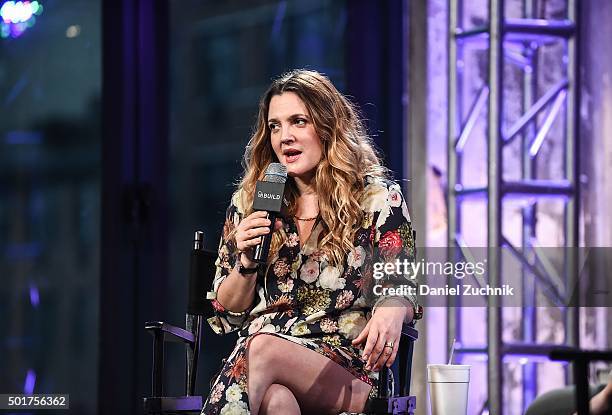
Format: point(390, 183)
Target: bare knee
point(279, 400)
point(262, 352)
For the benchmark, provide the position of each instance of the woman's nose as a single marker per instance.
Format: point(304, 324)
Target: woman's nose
point(288, 138)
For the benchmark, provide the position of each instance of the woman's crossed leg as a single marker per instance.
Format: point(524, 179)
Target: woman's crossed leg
point(284, 377)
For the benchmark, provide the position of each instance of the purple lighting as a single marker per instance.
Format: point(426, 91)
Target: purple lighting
point(30, 381)
point(34, 295)
point(278, 19)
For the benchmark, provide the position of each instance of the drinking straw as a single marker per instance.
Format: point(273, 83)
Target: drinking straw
point(452, 350)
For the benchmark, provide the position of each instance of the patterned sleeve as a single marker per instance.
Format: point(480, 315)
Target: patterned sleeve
point(225, 321)
point(394, 251)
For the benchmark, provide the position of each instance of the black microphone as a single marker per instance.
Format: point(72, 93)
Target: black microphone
point(270, 197)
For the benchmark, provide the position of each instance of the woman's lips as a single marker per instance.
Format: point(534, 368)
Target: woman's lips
point(292, 158)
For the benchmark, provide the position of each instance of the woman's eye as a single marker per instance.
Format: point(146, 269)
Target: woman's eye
point(300, 121)
point(273, 127)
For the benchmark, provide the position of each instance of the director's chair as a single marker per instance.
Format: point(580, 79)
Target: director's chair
point(393, 385)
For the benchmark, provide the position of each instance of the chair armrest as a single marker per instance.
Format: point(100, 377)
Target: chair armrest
point(169, 332)
point(571, 354)
point(154, 405)
point(410, 332)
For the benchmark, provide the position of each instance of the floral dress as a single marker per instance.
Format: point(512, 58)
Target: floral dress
point(302, 298)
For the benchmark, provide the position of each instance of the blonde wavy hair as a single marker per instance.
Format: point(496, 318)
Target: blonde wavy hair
point(348, 156)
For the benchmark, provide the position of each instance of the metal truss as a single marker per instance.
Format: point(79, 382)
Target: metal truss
point(515, 41)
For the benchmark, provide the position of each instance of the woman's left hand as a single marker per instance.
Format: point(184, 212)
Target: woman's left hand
point(382, 335)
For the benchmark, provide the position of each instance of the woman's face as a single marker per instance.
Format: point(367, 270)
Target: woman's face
point(294, 139)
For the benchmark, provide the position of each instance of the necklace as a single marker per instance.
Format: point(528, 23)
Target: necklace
point(306, 219)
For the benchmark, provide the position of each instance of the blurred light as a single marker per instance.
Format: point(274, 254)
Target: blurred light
point(30, 381)
point(34, 295)
point(18, 16)
point(23, 137)
point(278, 19)
point(73, 31)
point(18, 252)
point(12, 12)
point(36, 7)
point(524, 359)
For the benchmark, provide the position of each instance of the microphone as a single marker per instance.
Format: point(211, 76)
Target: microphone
point(270, 197)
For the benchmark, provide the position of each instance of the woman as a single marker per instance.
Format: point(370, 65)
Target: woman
point(312, 332)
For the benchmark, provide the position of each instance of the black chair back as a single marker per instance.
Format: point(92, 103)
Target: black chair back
point(201, 275)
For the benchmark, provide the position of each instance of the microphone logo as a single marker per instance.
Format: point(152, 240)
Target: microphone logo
point(267, 195)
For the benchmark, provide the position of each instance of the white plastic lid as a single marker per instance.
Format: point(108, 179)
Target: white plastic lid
point(448, 373)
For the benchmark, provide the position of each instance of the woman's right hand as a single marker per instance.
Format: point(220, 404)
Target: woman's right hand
point(249, 233)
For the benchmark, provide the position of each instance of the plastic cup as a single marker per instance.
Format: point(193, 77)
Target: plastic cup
point(448, 389)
